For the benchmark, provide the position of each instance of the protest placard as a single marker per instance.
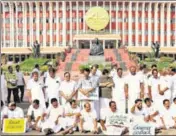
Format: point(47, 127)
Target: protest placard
point(142, 129)
point(119, 119)
point(14, 126)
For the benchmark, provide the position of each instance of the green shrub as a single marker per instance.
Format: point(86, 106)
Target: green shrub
point(166, 59)
point(149, 59)
point(173, 65)
point(44, 68)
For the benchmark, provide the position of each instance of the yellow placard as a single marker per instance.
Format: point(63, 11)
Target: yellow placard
point(14, 126)
point(97, 18)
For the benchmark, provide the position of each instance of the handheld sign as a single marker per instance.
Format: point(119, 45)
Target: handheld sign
point(14, 126)
point(119, 119)
point(142, 129)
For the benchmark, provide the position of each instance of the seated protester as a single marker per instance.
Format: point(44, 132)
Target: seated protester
point(88, 120)
point(173, 106)
point(108, 127)
point(34, 114)
point(72, 114)
point(153, 113)
point(53, 122)
point(4, 110)
point(14, 111)
point(166, 115)
point(138, 112)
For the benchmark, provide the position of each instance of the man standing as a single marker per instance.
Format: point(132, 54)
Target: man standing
point(11, 85)
point(67, 89)
point(105, 83)
point(87, 89)
point(118, 92)
point(52, 85)
point(88, 121)
point(113, 72)
point(153, 86)
point(20, 81)
point(134, 87)
point(3, 87)
point(35, 89)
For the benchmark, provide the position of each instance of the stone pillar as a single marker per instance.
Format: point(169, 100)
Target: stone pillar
point(103, 44)
point(90, 44)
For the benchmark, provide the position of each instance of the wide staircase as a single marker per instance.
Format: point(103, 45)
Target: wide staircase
point(81, 56)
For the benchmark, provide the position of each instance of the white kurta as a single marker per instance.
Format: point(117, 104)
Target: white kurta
point(17, 113)
point(111, 129)
point(36, 91)
point(52, 88)
point(67, 88)
point(118, 94)
point(3, 88)
point(133, 82)
point(88, 118)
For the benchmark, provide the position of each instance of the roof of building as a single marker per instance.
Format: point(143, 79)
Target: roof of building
point(45, 50)
point(171, 50)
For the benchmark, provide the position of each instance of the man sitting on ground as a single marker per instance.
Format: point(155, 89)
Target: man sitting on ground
point(34, 114)
point(14, 111)
point(88, 121)
point(107, 115)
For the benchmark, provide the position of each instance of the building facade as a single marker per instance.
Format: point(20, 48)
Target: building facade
point(55, 23)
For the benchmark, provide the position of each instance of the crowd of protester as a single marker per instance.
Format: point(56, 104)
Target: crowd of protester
point(144, 95)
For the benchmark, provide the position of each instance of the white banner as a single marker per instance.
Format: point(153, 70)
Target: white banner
point(119, 119)
point(142, 129)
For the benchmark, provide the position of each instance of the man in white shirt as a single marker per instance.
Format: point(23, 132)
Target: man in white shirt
point(138, 113)
point(153, 113)
point(87, 89)
point(98, 72)
point(153, 83)
point(167, 116)
point(88, 121)
point(67, 89)
point(173, 82)
point(3, 87)
point(20, 81)
point(14, 111)
point(35, 89)
point(113, 72)
point(4, 111)
point(35, 111)
point(173, 107)
point(164, 88)
point(119, 92)
point(72, 116)
point(52, 85)
point(134, 87)
point(52, 121)
point(107, 115)
point(46, 74)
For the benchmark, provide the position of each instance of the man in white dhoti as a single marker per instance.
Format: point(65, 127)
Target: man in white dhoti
point(35, 111)
point(14, 111)
point(153, 113)
point(67, 89)
point(134, 87)
point(72, 116)
point(35, 89)
point(53, 121)
point(46, 74)
point(119, 92)
point(87, 89)
point(88, 121)
point(173, 107)
point(107, 116)
point(167, 116)
point(3, 87)
point(174, 83)
point(52, 85)
point(138, 113)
